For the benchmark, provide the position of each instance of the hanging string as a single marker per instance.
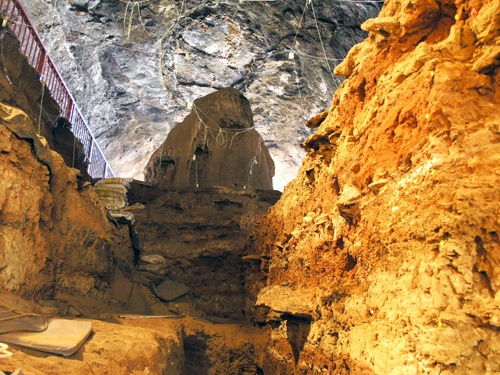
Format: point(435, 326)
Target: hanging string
point(196, 171)
point(251, 164)
point(189, 170)
point(321, 41)
point(161, 156)
point(221, 138)
point(242, 171)
point(313, 57)
point(37, 146)
point(133, 5)
point(291, 55)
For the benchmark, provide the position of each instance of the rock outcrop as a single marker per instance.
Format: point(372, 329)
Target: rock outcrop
point(215, 145)
point(133, 67)
point(21, 88)
point(392, 224)
point(40, 252)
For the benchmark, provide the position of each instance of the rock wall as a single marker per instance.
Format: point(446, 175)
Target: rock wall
point(134, 72)
point(216, 145)
point(383, 255)
point(55, 237)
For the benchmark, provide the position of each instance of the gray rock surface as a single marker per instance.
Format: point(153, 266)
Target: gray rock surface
point(135, 67)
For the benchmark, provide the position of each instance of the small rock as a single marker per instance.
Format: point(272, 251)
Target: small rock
point(348, 202)
point(73, 311)
point(152, 259)
point(377, 186)
point(349, 195)
point(284, 299)
point(382, 25)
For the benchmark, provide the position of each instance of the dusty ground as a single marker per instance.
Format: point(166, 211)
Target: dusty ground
point(128, 343)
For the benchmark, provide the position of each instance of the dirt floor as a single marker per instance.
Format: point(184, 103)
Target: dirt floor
point(125, 343)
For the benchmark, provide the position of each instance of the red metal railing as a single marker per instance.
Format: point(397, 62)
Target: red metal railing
point(32, 47)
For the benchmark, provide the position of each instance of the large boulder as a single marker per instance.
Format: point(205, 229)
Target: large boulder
point(215, 145)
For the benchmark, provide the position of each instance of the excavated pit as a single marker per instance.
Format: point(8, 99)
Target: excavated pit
point(381, 257)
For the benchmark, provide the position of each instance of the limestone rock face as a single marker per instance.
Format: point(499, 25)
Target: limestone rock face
point(392, 224)
point(216, 145)
point(133, 80)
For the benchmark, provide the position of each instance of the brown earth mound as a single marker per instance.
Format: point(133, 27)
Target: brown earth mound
point(215, 145)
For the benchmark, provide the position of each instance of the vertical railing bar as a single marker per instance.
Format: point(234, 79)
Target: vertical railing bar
point(31, 49)
point(24, 34)
point(15, 22)
point(27, 45)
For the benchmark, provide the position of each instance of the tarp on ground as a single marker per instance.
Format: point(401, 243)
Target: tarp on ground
point(62, 336)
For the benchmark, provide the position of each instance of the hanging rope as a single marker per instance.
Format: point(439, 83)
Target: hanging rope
point(322, 44)
point(251, 164)
point(222, 138)
point(36, 154)
point(196, 171)
point(299, 27)
point(132, 5)
point(161, 157)
point(312, 56)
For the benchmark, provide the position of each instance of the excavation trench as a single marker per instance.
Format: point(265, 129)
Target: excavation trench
point(205, 347)
point(201, 236)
